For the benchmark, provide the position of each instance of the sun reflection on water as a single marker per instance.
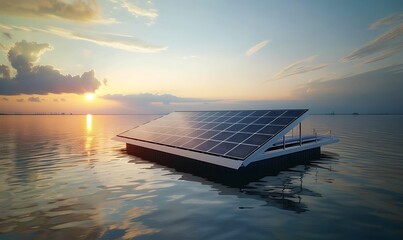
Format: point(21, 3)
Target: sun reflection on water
point(89, 138)
point(89, 123)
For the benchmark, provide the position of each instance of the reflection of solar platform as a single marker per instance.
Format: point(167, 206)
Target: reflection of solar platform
point(227, 138)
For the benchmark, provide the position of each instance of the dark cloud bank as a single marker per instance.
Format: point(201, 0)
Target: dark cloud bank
point(374, 92)
point(377, 91)
point(39, 79)
point(149, 98)
point(157, 103)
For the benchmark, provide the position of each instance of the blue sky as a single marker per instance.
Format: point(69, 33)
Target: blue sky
point(160, 56)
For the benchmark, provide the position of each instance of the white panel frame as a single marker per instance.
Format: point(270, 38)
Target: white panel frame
point(225, 162)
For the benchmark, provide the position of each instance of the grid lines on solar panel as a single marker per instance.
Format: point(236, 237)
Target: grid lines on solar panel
point(230, 134)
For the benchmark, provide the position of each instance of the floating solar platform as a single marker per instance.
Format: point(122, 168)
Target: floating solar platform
point(232, 139)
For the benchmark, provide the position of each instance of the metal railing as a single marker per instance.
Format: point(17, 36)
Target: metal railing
point(292, 140)
point(326, 133)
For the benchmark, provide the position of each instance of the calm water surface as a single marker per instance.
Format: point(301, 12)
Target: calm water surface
point(62, 177)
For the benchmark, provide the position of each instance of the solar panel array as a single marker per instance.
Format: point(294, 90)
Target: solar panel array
point(230, 134)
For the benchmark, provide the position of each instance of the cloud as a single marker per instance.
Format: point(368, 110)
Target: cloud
point(57, 100)
point(23, 55)
point(7, 35)
point(256, 48)
point(383, 46)
point(376, 91)
point(149, 98)
point(391, 19)
point(385, 54)
point(155, 103)
point(299, 67)
point(34, 99)
point(39, 79)
point(4, 71)
point(123, 42)
point(2, 47)
point(189, 57)
point(14, 27)
point(138, 11)
point(392, 39)
point(75, 10)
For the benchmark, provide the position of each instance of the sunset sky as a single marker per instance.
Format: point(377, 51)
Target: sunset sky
point(160, 56)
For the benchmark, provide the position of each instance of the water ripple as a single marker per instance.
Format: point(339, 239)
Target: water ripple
point(74, 182)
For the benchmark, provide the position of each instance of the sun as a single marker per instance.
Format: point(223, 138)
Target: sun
point(89, 96)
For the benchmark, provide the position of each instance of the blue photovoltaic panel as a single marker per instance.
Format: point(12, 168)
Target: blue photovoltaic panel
point(229, 134)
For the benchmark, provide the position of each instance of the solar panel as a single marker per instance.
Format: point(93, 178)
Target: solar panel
point(229, 134)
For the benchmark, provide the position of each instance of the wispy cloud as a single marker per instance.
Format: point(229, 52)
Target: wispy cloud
point(123, 42)
point(383, 46)
point(385, 53)
point(76, 10)
point(14, 27)
point(138, 11)
point(391, 19)
point(256, 48)
point(299, 67)
point(189, 57)
point(39, 79)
